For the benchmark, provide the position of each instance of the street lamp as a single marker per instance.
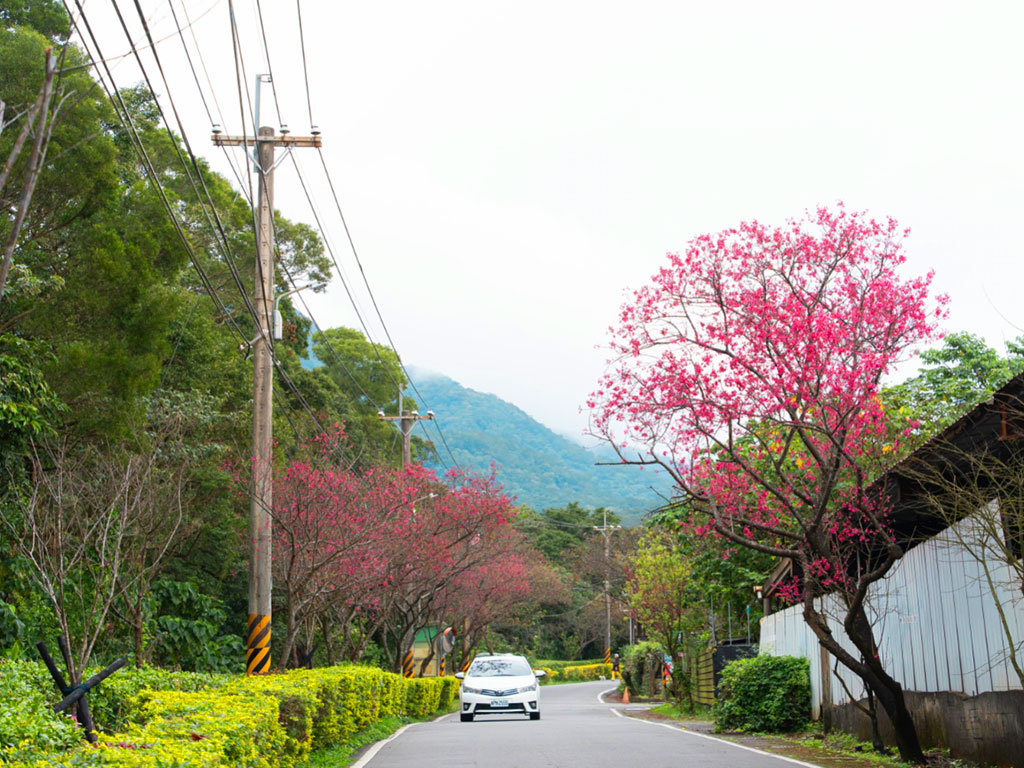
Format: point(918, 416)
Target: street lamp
point(278, 324)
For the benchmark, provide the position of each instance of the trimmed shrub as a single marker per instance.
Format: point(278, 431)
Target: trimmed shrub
point(449, 692)
point(227, 722)
point(392, 695)
point(422, 695)
point(556, 666)
point(112, 702)
point(587, 672)
point(764, 693)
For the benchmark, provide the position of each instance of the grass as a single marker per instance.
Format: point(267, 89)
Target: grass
point(670, 709)
point(813, 742)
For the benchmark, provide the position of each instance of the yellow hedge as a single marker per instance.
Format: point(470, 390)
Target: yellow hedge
point(268, 721)
point(587, 672)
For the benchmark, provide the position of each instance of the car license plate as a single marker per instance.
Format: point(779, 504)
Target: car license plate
point(499, 702)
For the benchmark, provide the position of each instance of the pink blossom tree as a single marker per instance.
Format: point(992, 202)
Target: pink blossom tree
point(749, 370)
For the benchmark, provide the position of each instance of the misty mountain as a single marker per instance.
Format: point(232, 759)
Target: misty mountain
point(541, 468)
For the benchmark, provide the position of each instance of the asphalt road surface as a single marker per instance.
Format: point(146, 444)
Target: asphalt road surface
point(576, 729)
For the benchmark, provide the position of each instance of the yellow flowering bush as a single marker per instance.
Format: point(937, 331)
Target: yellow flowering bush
point(449, 691)
point(392, 695)
point(587, 672)
point(422, 695)
point(222, 721)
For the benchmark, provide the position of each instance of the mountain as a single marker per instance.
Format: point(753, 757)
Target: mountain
point(540, 467)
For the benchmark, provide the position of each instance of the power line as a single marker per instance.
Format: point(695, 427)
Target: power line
point(366, 282)
point(266, 50)
point(324, 338)
point(305, 69)
point(124, 116)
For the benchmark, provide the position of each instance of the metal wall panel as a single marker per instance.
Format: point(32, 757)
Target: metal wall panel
point(936, 619)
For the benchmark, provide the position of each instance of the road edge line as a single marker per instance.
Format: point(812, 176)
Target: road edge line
point(377, 746)
point(679, 729)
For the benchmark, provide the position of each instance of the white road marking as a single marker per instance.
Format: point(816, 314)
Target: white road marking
point(378, 746)
point(677, 729)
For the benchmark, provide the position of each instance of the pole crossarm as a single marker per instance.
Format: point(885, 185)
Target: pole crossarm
point(411, 417)
point(406, 421)
point(277, 141)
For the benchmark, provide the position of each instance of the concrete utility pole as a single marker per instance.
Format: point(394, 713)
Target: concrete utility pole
point(257, 654)
point(407, 419)
point(606, 533)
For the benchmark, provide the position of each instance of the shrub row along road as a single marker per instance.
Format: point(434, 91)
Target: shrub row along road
point(576, 729)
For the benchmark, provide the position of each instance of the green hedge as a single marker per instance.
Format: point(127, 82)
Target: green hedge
point(587, 672)
point(206, 721)
point(764, 693)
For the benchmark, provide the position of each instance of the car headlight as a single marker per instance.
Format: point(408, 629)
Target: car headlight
point(527, 688)
point(470, 689)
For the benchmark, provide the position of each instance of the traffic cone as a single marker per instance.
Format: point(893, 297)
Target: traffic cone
point(625, 695)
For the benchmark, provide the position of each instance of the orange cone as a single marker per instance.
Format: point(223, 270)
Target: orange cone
point(625, 695)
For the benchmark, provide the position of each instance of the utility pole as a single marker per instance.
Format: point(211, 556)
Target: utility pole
point(606, 533)
point(406, 421)
point(257, 654)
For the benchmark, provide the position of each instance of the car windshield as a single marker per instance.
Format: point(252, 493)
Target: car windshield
point(499, 668)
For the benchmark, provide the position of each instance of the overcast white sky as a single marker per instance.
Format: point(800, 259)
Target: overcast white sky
point(509, 169)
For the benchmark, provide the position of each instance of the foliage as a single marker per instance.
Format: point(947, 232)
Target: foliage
point(664, 599)
point(764, 693)
point(953, 378)
point(112, 703)
point(641, 665)
point(187, 720)
point(577, 673)
point(184, 630)
point(27, 722)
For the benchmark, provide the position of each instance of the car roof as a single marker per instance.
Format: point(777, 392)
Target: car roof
point(498, 656)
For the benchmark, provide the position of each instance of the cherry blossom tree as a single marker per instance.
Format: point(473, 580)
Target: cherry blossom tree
point(750, 369)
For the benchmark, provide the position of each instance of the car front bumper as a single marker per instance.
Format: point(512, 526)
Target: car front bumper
point(499, 703)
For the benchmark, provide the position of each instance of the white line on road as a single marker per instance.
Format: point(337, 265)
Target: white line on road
point(677, 729)
point(378, 746)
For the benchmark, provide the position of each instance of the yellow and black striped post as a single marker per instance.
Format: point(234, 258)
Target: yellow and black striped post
point(607, 655)
point(407, 664)
point(257, 653)
point(441, 672)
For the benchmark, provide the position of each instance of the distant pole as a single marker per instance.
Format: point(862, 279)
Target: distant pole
point(406, 420)
point(606, 530)
point(257, 654)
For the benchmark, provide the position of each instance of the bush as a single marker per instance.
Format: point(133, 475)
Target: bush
point(27, 721)
point(764, 693)
point(449, 692)
point(189, 720)
point(422, 695)
point(112, 703)
point(587, 672)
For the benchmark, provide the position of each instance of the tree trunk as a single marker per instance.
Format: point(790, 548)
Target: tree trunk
point(888, 691)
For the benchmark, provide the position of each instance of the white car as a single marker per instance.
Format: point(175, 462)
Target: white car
point(499, 684)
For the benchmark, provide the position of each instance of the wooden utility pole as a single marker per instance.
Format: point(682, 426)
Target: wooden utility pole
point(257, 654)
point(406, 421)
point(606, 533)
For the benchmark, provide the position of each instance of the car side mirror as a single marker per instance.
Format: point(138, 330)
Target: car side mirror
point(539, 672)
point(460, 675)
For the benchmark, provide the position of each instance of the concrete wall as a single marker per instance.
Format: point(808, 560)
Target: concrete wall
point(987, 729)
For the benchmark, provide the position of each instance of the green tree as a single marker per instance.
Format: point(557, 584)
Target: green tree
point(663, 597)
point(954, 377)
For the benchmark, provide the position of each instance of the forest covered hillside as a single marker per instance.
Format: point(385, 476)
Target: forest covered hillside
point(540, 467)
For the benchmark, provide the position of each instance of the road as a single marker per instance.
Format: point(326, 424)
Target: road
point(576, 729)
